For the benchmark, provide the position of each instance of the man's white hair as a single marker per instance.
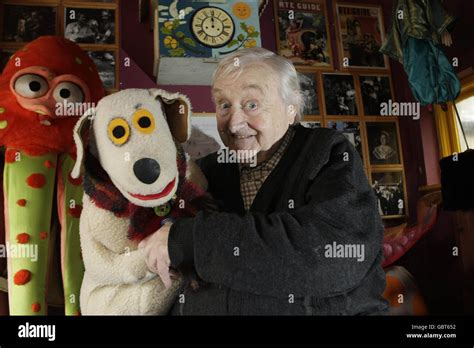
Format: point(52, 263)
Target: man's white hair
point(289, 86)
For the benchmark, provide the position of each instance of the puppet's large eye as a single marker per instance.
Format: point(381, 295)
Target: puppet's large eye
point(31, 86)
point(68, 91)
point(119, 131)
point(144, 121)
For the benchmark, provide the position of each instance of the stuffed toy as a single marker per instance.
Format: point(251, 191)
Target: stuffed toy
point(36, 131)
point(136, 177)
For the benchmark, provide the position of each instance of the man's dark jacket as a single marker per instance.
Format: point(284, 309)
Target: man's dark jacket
point(272, 259)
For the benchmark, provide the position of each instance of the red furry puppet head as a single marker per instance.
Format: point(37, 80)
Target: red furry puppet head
point(43, 89)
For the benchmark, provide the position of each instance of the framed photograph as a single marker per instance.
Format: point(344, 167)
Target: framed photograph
point(90, 25)
point(383, 143)
point(311, 124)
point(389, 189)
point(25, 23)
point(351, 131)
point(205, 138)
point(361, 33)
point(308, 84)
point(105, 62)
point(375, 90)
point(302, 33)
point(5, 55)
point(340, 94)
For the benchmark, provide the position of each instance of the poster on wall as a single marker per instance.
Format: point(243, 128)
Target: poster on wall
point(376, 92)
point(351, 131)
point(302, 33)
point(360, 35)
point(383, 143)
point(308, 85)
point(207, 29)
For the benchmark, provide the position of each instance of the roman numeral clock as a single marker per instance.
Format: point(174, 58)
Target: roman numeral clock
point(192, 36)
point(212, 27)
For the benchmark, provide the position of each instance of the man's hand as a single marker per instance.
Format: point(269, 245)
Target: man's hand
point(156, 253)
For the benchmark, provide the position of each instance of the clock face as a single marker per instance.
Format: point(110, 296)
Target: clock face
point(212, 26)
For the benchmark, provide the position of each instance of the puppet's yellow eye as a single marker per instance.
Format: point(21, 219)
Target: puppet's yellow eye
point(144, 121)
point(119, 131)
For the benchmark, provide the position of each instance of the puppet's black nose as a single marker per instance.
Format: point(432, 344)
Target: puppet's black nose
point(147, 170)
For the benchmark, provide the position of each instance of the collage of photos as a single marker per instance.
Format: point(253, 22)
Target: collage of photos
point(91, 24)
point(347, 96)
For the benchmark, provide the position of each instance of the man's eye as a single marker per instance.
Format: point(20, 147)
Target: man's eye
point(251, 105)
point(224, 106)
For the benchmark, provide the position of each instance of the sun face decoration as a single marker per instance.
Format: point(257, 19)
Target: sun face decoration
point(241, 10)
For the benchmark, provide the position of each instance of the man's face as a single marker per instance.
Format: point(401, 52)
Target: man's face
point(249, 110)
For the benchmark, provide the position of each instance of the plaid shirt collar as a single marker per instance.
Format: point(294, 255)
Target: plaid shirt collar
point(252, 178)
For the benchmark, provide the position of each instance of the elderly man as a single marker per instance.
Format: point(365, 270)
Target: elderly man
point(298, 234)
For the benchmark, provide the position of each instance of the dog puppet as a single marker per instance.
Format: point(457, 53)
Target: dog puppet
point(136, 176)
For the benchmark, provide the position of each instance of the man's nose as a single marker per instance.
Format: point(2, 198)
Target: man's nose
point(147, 170)
point(237, 119)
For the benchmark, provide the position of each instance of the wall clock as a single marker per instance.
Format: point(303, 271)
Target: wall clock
point(212, 26)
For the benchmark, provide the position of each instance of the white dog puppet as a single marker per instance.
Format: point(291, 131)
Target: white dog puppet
point(136, 176)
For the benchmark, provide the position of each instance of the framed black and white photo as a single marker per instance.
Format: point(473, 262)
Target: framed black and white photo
point(340, 95)
point(389, 189)
point(90, 26)
point(375, 90)
point(351, 131)
point(25, 23)
point(105, 62)
point(308, 84)
point(311, 124)
point(383, 143)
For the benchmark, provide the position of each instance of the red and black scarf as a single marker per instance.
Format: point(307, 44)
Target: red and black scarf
point(189, 198)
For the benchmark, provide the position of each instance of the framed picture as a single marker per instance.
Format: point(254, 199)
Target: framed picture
point(375, 91)
point(340, 94)
point(5, 55)
point(308, 84)
point(351, 131)
point(389, 189)
point(105, 62)
point(311, 124)
point(361, 33)
point(205, 138)
point(383, 143)
point(302, 33)
point(24, 23)
point(90, 25)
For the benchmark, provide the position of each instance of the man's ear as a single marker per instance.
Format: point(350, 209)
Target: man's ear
point(177, 109)
point(81, 132)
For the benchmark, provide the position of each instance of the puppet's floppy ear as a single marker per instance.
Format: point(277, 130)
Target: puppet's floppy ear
point(177, 108)
point(80, 133)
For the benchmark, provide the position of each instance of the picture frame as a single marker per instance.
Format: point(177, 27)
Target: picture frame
point(390, 190)
point(106, 63)
point(22, 23)
point(352, 131)
point(340, 94)
point(303, 34)
point(91, 25)
point(360, 33)
point(309, 84)
point(375, 90)
point(383, 143)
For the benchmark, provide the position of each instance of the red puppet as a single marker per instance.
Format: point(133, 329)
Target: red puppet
point(44, 88)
